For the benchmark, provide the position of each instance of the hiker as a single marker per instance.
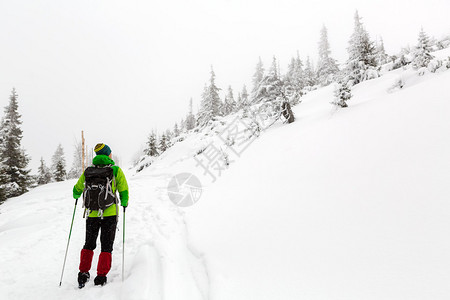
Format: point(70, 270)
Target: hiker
point(99, 184)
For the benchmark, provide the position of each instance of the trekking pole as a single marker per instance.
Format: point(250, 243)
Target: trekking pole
point(123, 246)
point(67, 248)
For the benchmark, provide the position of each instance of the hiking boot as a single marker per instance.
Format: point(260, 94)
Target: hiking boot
point(83, 277)
point(100, 280)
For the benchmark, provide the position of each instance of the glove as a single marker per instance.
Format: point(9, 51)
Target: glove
point(76, 194)
point(124, 198)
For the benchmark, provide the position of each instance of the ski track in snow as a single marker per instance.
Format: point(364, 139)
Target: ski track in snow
point(158, 263)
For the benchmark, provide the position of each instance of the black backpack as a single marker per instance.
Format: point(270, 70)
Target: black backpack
point(98, 194)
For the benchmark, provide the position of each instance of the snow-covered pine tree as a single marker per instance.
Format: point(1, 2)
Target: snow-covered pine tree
point(239, 104)
point(183, 127)
point(3, 184)
point(210, 105)
point(229, 105)
point(59, 164)
point(190, 118)
point(290, 80)
point(257, 78)
point(361, 64)
point(205, 113)
point(382, 57)
point(152, 147)
point(342, 94)
point(270, 85)
point(244, 101)
point(299, 76)
point(14, 175)
point(44, 175)
point(244, 97)
point(169, 136)
point(327, 67)
point(294, 82)
point(309, 74)
point(176, 130)
point(272, 94)
point(422, 52)
point(77, 164)
point(162, 144)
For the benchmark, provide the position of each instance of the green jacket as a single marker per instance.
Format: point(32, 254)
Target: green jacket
point(121, 185)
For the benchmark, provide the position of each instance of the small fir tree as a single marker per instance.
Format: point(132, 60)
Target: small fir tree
point(183, 126)
point(310, 74)
point(422, 52)
point(269, 87)
point(239, 103)
point(44, 175)
point(163, 143)
point(169, 136)
point(294, 81)
point(14, 175)
point(244, 97)
point(382, 57)
point(59, 164)
point(176, 130)
point(342, 94)
point(326, 67)
point(77, 165)
point(211, 103)
point(257, 77)
point(229, 105)
point(152, 147)
point(190, 118)
point(361, 64)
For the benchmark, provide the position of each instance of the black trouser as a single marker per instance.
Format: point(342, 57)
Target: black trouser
point(107, 235)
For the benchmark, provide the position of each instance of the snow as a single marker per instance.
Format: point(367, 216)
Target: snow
point(345, 203)
point(351, 205)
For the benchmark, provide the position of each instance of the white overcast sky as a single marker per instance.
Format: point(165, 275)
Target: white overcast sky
point(118, 69)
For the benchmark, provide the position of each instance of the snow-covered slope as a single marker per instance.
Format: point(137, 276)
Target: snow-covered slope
point(341, 204)
point(347, 204)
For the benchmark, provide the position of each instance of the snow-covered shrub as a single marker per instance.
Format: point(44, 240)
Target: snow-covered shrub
point(444, 43)
point(201, 150)
point(388, 67)
point(422, 71)
point(400, 61)
point(309, 88)
point(229, 141)
point(434, 65)
point(399, 83)
point(442, 69)
point(255, 127)
point(140, 168)
point(145, 163)
point(225, 158)
point(342, 93)
point(371, 73)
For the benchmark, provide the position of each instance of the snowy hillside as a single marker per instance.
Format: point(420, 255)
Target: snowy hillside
point(341, 204)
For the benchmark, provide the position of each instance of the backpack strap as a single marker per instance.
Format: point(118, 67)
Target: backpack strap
point(115, 196)
point(84, 203)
